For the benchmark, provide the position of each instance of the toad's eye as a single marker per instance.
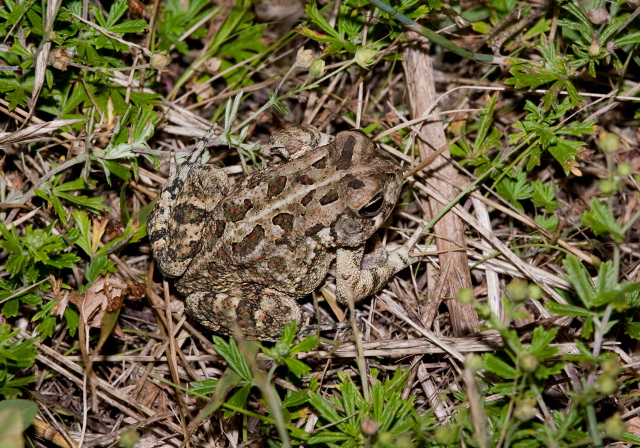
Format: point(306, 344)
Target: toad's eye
point(373, 207)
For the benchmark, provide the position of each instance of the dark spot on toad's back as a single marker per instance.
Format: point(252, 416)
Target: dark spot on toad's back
point(218, 228)
point(249, 243)
point(189, 213)
point(320, 163)
point(308, 197)
point(314, 229)
point(284, 221)
point(330, 197)
point(346, 154)
point(304, 179)
point(276, 186)
point(236, 212)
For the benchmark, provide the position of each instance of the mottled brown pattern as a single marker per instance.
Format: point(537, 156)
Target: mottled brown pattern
point(275, 186)
point(346, 154)
point(235, 212)
point(249, 243)
point(245, 254)
point(331, 196)
point(308, 198)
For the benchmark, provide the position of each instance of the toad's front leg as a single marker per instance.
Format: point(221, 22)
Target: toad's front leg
point(355, 282)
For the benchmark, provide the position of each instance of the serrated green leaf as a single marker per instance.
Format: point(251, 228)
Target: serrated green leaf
point(317, 18)
point(349, 395)
point(297, 367)
point(541, 339)
point(567, 310)
point(325, 410)
point(601, 221)
point(232, 355)
point(305, 345)
point(579, 278)
point(550, 223)
point(544, 195)
point(95, 267)
point(130, 26)
point(205, 387)
point(497, 366)
point(529, 76)
point(294, 399)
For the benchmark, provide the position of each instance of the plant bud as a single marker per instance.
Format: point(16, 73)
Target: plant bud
point(525, 409)
point(365, 56)
point(160, 61)
point(609, 142)
point(304, 58)
point(598, 16)
point(317, 68)
point(615, 427)
point(59, 58)
point(594, 48)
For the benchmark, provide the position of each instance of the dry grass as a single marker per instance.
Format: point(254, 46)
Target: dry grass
point(93, 390)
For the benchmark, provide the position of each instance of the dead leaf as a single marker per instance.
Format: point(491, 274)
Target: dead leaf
point(105, 293)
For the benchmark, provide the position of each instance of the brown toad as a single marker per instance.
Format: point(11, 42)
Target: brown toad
point(244, 254)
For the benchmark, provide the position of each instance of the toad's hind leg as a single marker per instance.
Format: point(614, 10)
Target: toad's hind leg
point(257, 312)
point(177, 225)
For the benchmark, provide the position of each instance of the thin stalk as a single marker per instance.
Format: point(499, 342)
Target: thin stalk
point(436, 38)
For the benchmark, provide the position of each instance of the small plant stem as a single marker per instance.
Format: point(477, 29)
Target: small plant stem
point(23, 290)
point(288, 95)
point(29, 194)
point(436, 38)
point(633, 219)
point(592, 424)
point(108, 69)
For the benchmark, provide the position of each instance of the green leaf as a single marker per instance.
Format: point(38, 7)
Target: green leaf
point(231, 353)
point(530, 76)
point(295, 399)
point(544, 195)
point(541, 339)
point(629, 39)
point(601, 221)
point(204, 387)
point(72, 319)
point(317, 18)
point(515, 190)
point(486, 119)
point(96, 267)
point(349, 394)
point(327, 437)
point(11, 307)
point(82, 236)
point(305, 345)
point(568, 310)
point(26, 408)
point(297, 367)
point(325, 410)
point(497, 366)
point(579, 278)
point(238, 399)
point(550, 223)
point(130, 26)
